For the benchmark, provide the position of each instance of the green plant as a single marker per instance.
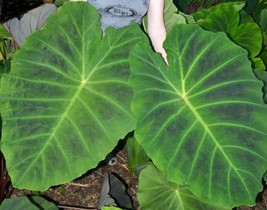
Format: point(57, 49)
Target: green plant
point(29, 203)
point(90, 96)
point(197, 97)
point(136, 156)
point(71, 95)
point(155, 192)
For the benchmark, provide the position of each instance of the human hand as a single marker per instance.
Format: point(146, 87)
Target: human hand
point(164, 56)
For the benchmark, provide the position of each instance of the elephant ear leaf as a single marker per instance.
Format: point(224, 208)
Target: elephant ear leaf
point(201, 119)
point(66, 102)
point(155, 192)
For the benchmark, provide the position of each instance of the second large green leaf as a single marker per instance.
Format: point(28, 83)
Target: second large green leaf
point(202, 119)
point(66, 102)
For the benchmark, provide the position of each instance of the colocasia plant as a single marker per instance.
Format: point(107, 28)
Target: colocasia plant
point(71, 94)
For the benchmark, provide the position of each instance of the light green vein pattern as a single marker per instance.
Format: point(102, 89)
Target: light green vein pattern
point(202, 119)
point(66, 102)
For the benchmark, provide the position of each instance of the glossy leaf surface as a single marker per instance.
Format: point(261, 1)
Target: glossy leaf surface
point(202, 119)
point(66, 102)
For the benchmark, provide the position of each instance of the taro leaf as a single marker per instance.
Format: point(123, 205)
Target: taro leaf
point(66, 102)
point(226, 17)
point(201, 119)
point(31, 203)
point(155, 192)
point(33, 20)
point(203, 13)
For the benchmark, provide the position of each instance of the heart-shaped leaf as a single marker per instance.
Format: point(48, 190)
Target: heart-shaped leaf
point(202, 119)
point(66, 102)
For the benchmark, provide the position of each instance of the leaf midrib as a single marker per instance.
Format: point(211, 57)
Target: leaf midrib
point(209, 132)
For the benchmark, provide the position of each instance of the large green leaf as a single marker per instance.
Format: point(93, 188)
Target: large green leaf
point(66, 101)
point(202, 119)
point(226, 17)
point(155, 192)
